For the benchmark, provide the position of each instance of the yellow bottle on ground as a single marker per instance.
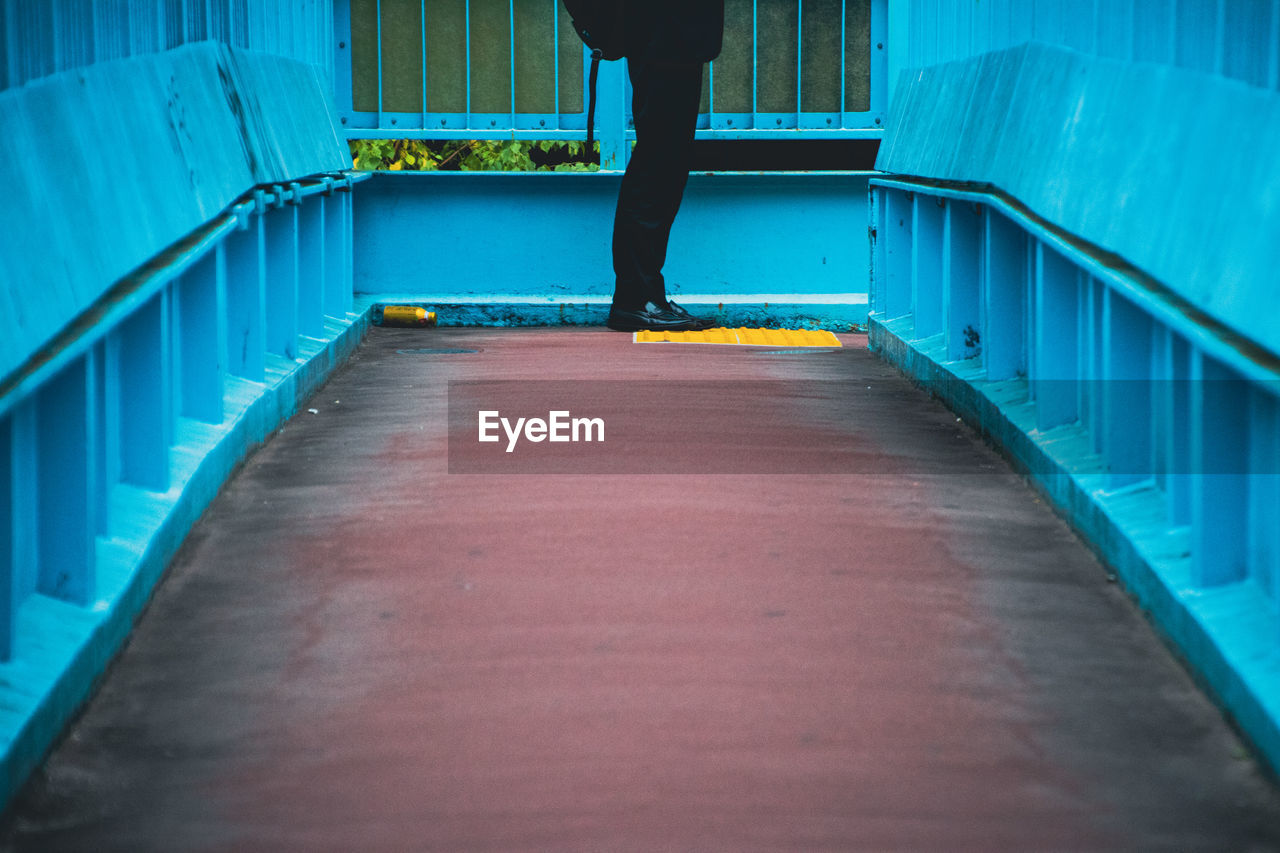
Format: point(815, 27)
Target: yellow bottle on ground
point(407, 315)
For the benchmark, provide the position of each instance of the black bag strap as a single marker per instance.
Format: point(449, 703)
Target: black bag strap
point(596, 56)
point(600, 25)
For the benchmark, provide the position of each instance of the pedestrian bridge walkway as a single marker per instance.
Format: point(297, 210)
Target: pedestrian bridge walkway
point(791, 600)
point(360, 647)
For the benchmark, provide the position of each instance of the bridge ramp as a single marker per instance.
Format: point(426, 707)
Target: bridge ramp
point(357, 649)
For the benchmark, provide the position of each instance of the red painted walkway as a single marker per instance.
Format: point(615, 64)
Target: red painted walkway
point(358, 650)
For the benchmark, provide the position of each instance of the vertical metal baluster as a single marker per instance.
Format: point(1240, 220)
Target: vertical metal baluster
point(799, 57)
point(423, 22)
point(467, 32)
point(1220, 38)
point(89, 45)
point(844, 74)
point(755, 62)
point(1273, 55)
point(56, 40)
point(1095, 29)
point(511, 65)
point(9, 529)
point(555, 62)
point(12, 77)
point(378, 12)
point(711, 94)
point(1133, 35)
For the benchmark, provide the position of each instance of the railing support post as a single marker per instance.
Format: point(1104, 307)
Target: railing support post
point(962, 233)
point(1056, 338)
point(611, 116)
point(66, 492)
point(1004, 293)
point(927, 227)
point(1220, 490)
point(896, 237)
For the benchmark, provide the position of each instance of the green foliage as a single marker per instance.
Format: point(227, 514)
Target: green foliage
point(496, 155)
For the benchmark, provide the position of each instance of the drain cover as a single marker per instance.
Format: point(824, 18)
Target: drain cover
point(435, 351)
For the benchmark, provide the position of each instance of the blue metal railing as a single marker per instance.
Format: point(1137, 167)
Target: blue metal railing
point(1155, 431)
point(434, 69)
point(192, 280)
point(1064, 284)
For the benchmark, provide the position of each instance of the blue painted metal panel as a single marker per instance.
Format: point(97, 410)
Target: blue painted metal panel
point(1172, 416)
point(43, 37)
point(66, 494)
point(106, 413)
point(1150, 426)
point(1004, 297)
point(1220, 439)
point(893, 288)
point(309, 240)
point(548, 236)
point(280, 277)
point(1057, 130)
point(138, 360)
point(926, 265)
point(200, 309)
point(246, 302)
point(8, 577)
point(1126, 439)
point(1235, 38)
point(1054, 350)
point(149, 149)
point(138, 415)
point(962, 317)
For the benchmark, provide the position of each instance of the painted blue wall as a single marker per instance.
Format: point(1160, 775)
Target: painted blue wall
point(43, 37)
point(1074, 250)
point(141, 151)
point(175, 260)
point(1238, 39)
point(1131, 156)
point(545, 238)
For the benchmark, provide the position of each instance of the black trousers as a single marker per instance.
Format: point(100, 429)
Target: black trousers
point(664, 104)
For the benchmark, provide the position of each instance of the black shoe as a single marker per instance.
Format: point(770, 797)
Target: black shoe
point(651, 318)
point(703, 323)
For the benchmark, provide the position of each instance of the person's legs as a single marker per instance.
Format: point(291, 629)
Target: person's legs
point(665, 109)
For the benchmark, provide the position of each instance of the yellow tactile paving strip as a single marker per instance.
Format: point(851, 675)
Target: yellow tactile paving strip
point(744, 337)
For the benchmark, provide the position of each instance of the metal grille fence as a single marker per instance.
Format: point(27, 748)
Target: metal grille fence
point(502, 68)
